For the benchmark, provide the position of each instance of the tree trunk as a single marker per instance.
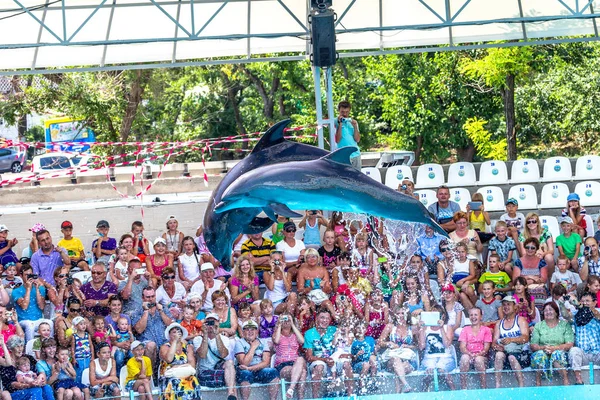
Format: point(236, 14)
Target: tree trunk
point(418, 150)
point(232, 91)
point(267, 97)
point(508, 96)
point(466, 153)
point(134, 98)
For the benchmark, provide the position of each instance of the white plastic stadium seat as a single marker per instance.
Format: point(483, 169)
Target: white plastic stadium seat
point(83, 276)
point(589, 193)
point(557, 169)
point(589, 230)
point(587, 167)
point(526, 195)
point(427, 197)
point(462, 174)
point(396, 174)
point(430, 175)
point(85, 377)
point(493, 198)
point(372, 173)
point(461, 196)
point(29, 347)
point(525, 171)
point(493, 172)
point(551, 223)
point(554, 195)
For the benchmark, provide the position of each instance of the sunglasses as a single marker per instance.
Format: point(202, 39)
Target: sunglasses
point(532, 221)
point(290, 230)
point(97, 272)
point(169, 277)
point(531, 247)
point(62, 275)
point(74, 310)
point(444, 249)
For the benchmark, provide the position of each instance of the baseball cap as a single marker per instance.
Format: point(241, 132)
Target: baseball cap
point(102, 224)
point(509, 298)
point(160, 240)
point(511, 200)
point(206, 266)
point(77, 320)
point(250, 324)
point(212, 315)
point(171, 218)
point(289, 224)
point(136, 343)
point(37, 228)
point(573, 196)
point(3, 228)
point(567, 220)
point(66, 224)
point(448, 288)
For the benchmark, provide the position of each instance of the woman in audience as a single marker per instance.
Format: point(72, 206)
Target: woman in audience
point(532, 266)
point(453, 309)
point(415, 298)
point(8, 374)
point(243, 285)
point(313, 280)
point(46, 366)
point(157, 262)
point(398, 339)
point(463, 234)
point(550, 343)
point(533, 229)
point(279, 285)
point(63, 324)
point(171, 294)
point(177, 373)
point(103, 374)
point(228, 322)
point(64, 288)
point(292, 249)
point(288, 340)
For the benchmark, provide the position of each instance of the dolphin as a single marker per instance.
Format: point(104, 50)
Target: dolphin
point(220, 230)
point(327, 183)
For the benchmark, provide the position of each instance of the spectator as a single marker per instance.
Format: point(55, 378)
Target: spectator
point(48, 257)
point(171, 294)
point(279, 286)
point(534, 229)
point(7, 255)
point(510, 338)
point(104, 246)
point(63, 325)
point(66, 287)
point(576, 213)
point(97, 291)
point(254, 359)
point(82, 347)
point(121, 325)
point(258, 250)
point(429, 249)
point(475, 341)
point(189, 265)
point(469, 237)
point(312, 222)
point(9, 326)
point(215, 367)
point(502, 282)
point(587, 336)
point(313, 280)
point(318, 347)
point(207, 285)
point(464, 274)
point(73, 246)
point(347, 132)
point(515, 221)
point(551, 341)
point(287, 340)
point(569, 242)
point(228, 321)
point(589, 262)
point(150, 322)
point(562, 276)
point(177, 372)
point(504, 247)
point(444, 209)
point(103, 374)
point(159, 261)
point(45, 366)
point(330, 251)
point(30, 300)
point(137, 280)
point(532, 266)
point(173, 237)
point(141, 245)
point(139, 372)
point(407, 186)
point(243, 285)
point(478, 219)
point(292, 249)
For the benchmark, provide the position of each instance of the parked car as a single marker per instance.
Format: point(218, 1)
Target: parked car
point(58, 161)
point(12, 159)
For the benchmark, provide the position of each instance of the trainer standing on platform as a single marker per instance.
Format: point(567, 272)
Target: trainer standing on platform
point(347, 133)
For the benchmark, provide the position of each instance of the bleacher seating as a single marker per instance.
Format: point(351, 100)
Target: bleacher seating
point(461, 174)
point(493, 198)
point(372, 173)
point(430, 176)
point(590, 226)
point(427, 196)
point(557, 169)
point(493, 173)
point(525, 171)
point(551, 223)
point(587, 167)
point(526, 195)
point(396, 174)
point(589, 193)
point(554, 195)
point(461, 196)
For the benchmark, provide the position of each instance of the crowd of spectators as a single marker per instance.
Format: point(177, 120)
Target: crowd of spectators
point(334, 307)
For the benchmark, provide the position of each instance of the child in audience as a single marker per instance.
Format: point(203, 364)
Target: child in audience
point(73, 246)
point(329, 252)
point(101, 333)
point(592, 285)
point(564, 277)
point(141, 246)
point(478, 219)
point(576, 213)
point(7, 255)
point(515, 221)
point(45, 332)
point(189, 322)
point(267, 321)
point(363, 257)
point(68, 378)
point(491, 307)
point(559, 296)
point(81, 346)
point(569, 242)
point(501, 280)
point(104, 247)
point(364, 360)
point(504, 246)
point(525, 301)
point(417, 267)
point(11, 279)
point(244, 314)
point(25, 374)
point(118, 268)
point(342, 343)
point(189, 263)
point(139, 372)
point(121, 340)
point(173, 237)
point(376, 314)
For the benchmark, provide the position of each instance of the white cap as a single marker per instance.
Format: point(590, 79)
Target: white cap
point(136, 343)
point(212, 315)
point(160, 240)
point(171, 218)
point(3, 228)
point(77, 320)
point(206, 266)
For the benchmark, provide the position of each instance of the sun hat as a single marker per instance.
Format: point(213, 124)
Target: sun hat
point(173, 326)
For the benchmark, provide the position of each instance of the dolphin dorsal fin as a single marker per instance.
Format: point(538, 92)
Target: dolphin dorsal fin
point(342, 155)
point(273, 136)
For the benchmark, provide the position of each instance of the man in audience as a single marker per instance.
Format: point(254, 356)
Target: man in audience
point(207, 285)
point(443, 210)
point(48, 258)
point(212, 350)
point(589, 262)
point(132, 292)
point(150, 322)
point(98, 291)
point(587, 336)
point(30, 300)
point(254, 361)
point(259, 250)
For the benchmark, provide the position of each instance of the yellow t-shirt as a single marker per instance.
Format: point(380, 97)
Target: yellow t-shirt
point(134, 368)
point(74, 247)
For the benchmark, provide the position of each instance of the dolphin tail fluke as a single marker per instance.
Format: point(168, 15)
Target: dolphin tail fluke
point(258, 225)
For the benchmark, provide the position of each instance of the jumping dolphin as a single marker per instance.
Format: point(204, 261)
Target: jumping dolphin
point(220, 230)
point(328, 183)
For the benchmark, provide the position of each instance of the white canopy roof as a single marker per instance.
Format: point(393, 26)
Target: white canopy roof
point(102, 34)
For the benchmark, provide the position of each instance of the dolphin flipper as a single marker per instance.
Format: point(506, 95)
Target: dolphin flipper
point(258, 225)
point(282, 209)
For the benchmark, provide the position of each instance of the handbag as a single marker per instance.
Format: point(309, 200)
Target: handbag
point(317, 296)
point(402, 353)
point(180, 372)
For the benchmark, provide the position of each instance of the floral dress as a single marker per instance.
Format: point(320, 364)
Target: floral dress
point(178, 388)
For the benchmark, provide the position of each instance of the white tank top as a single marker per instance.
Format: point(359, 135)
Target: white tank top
point(462, 267)
point(278, 293)
point(100, 373)
point(512, 332)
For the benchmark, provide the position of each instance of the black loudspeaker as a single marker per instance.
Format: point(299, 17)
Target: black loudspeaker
point(323, 39)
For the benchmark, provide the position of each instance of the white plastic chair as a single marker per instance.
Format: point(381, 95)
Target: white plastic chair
point(83, 276)
point(430, 175)
point(29, 347)
point(396, 174)
point(589, 230)
point(461, 196)
point(589, 193)
point(557, 169)
point(427, 197)
point(554, 195)
point(85, 376)
point(493, 172)
point(526, 195)
point(462, 174)
point(123, 378)
point(372, 173)
point(550, 222)
point(493, 198)
point(525, 171)
point(587, 167)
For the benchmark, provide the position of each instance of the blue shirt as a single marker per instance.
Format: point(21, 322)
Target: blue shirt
point(368, 345)
point(430, 246)
point(587, 337)
point(9, 256)
point(502, 247)
point(155, 328)
point(321, 346)
point(243, 347)
point(443, 214)
point(45, 265)
point(347, 137)
point(33, 312)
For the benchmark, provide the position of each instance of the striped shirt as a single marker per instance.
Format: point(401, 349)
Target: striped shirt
point(287, 349)
point(264, 249)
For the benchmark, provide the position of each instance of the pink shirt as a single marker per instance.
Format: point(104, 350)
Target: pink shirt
point(475, 344)
point(287, 349)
